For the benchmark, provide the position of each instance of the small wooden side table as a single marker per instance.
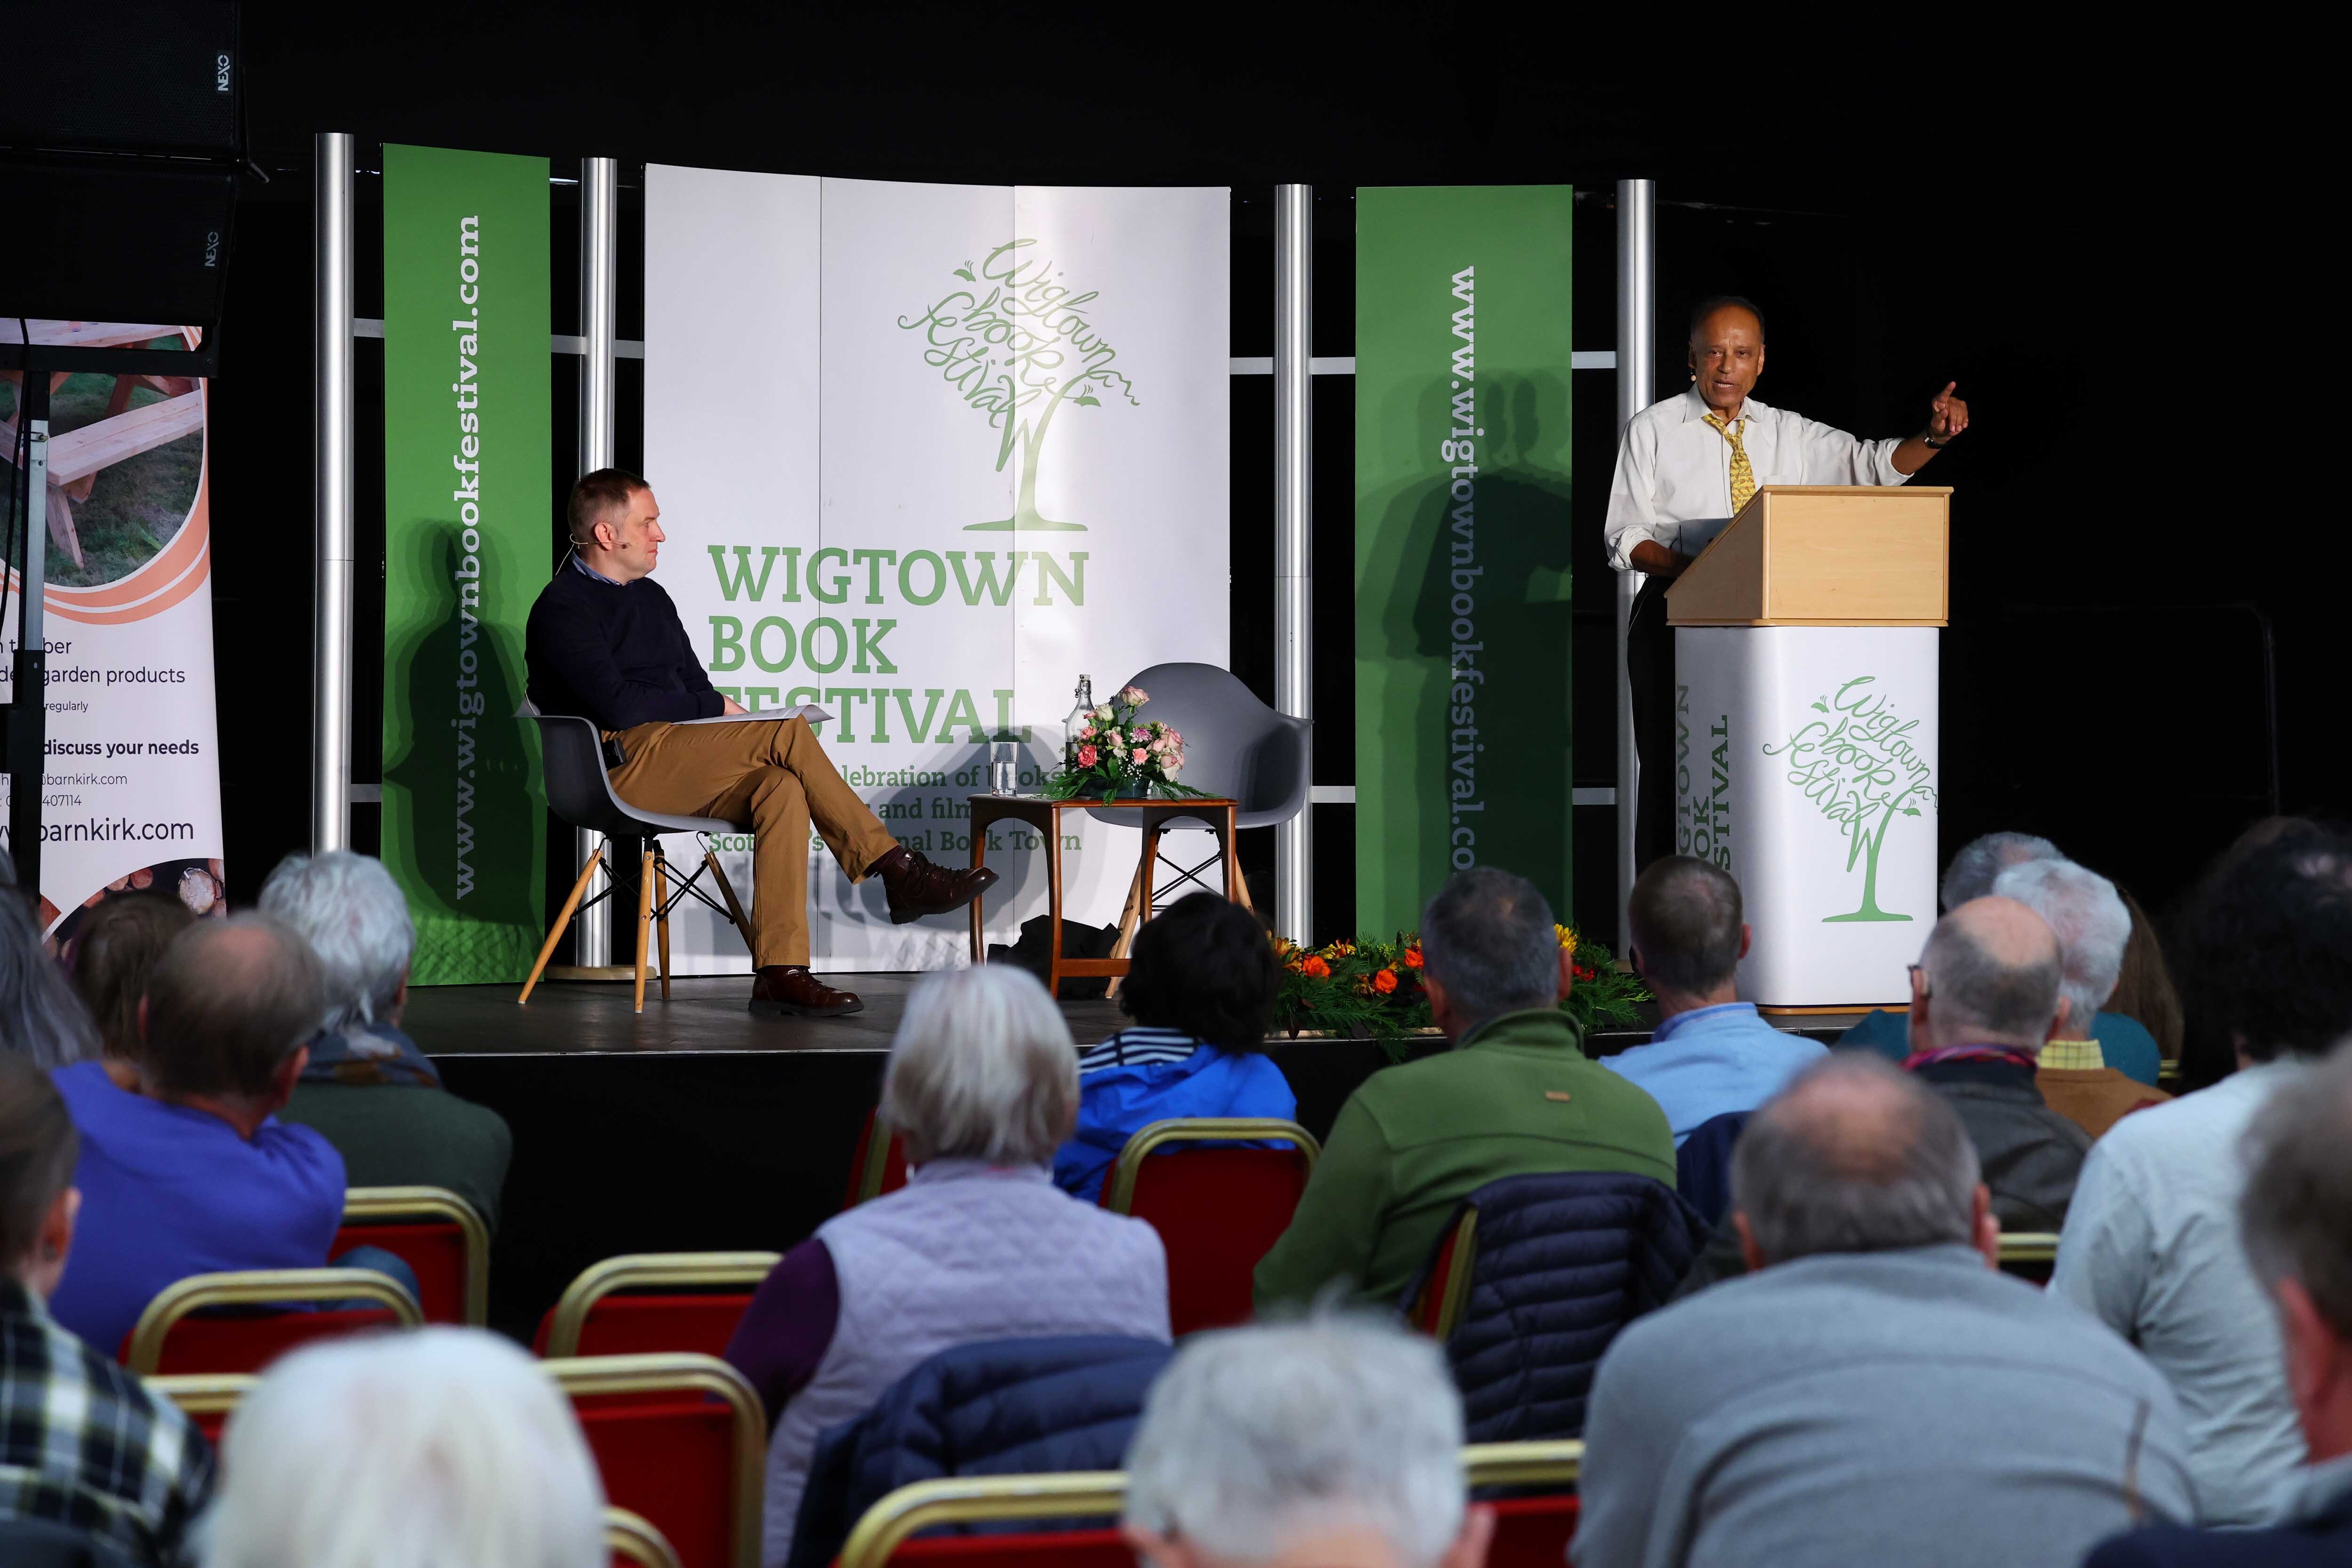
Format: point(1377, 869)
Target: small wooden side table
point(1046, 816)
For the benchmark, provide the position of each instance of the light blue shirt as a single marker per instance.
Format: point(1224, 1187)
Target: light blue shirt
point(1710, 1061)
point(592, 572)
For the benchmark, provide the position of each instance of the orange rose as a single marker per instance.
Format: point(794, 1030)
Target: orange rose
point(1317, 968)
point(1413, 958)
point(1385, 981)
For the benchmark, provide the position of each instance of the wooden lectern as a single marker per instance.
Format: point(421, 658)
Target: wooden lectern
point(1806, 758)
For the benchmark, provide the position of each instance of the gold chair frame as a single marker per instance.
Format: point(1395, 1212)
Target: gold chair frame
point(873, 1155)
point(202, 1393)
point(1202, 1130)
point(2029, 1247)
point(963, 1499)
point(684, 1373)
point(639, 1270)
point(1453, 1287)
point(261, 1288)
point(1554, 1462)
point(635, 1537)
point(362, 1205)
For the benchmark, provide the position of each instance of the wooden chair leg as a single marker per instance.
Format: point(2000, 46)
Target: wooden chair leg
point(644, 915)
point(661, 914)
point(547, 948)
point(727, 891)
point(1129, 918)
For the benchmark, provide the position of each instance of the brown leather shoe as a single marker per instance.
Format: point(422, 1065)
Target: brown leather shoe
point(790, 989)
point(918, 887)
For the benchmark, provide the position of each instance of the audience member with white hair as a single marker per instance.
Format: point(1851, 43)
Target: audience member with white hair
point(368, 1089)
point(2086, 913)
point(1984, 998)
point(1875, 1391)
point(1330, 1442)
point(982, 1084)
point(436, 1448)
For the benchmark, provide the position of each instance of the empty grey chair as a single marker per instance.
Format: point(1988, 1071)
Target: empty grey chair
point(571, 761)
point(1234, 746)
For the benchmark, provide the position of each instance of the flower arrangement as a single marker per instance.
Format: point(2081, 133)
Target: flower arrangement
point(1113, 754)
point(1369, 987)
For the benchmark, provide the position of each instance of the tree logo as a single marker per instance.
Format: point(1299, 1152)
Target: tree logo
point(1017, 344)
point(1857, 765)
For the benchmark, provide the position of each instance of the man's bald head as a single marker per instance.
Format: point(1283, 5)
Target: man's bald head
point(1854, 1156)
point(1726, 352)
point(1992, 969)
point(229, 1002)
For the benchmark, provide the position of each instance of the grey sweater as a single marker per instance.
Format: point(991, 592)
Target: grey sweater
point(1911, 1407)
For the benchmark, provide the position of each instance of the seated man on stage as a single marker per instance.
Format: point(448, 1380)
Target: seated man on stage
point(1685, 468)
point(605, 643)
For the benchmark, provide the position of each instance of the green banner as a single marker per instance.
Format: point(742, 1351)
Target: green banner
point(1461, 542)
point(466, 505)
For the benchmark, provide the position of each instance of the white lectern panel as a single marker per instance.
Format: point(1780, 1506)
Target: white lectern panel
point(1805, 764)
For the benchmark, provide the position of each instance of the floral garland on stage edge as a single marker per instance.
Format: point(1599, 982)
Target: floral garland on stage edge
point(1372, 988)
point(1111, 755)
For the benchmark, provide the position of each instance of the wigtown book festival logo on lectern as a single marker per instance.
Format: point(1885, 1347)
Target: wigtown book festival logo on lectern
point(1858, 766)
point(1018, 343)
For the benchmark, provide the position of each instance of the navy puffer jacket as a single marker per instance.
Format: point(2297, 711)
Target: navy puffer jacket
point(1002, 1408)
point(1561, 1261)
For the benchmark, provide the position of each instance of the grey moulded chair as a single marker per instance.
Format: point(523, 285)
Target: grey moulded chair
point(1234, 746)
point(571, 762)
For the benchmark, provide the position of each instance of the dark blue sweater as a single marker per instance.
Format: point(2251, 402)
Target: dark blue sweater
point(616, 655)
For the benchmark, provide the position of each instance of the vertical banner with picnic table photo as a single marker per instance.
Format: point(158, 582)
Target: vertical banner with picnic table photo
point(468, 502)
point(1463, 620)
point(130, 792)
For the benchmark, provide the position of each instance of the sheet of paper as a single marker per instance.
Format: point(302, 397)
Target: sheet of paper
point(808, 710)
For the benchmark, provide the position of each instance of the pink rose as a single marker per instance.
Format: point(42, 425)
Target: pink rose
point(1132, 696)
point(1088, 733)
point(1086, 756)
point(1138, 755)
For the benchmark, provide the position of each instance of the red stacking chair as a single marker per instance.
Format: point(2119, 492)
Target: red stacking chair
point(438, 1234)
point(635, 1542)
point(692, 1303)
point(168, 1339)
point(207, 1399)
point(2030, 1255)
point(1217, 1210)
point(1439, 1306)
point(1529, 1532)
point(680, 1440)
point(880, 1538)
point(881, 1164)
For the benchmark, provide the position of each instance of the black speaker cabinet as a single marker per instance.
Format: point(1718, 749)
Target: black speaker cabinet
point(127, 75)
point(90, 243)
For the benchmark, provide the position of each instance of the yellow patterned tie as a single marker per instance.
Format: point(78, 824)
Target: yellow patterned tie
point(1743, 478)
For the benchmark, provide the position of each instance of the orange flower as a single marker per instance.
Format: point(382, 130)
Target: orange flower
point(1317, 967)
point(1385, 981)
point(1413, 958)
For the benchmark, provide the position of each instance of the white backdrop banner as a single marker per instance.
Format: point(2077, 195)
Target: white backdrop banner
point(925, 455)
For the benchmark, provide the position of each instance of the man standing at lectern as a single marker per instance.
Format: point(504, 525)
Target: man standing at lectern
point(1685, 468)
point(605, 642)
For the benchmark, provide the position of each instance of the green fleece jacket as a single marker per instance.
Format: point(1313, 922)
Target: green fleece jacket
point(1516, 1096)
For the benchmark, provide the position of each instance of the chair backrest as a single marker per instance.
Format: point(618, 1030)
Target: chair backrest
point(438, 1234)
point(1235, 745)
point(1556, 1263)
point(880, 1165)
point(168, 1339)
point(1218, 1206)
point(634, 1541)
point(207, 1399)
point(997, 1407)
point(2030, 1255)
point(1702, 1165)
point(689, 1301)
point(572, 764)
point(880, 1536)
point(1530, 1532)
point(680, 1439)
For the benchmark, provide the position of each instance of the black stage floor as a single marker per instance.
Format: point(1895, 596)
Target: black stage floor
point(696, 1127)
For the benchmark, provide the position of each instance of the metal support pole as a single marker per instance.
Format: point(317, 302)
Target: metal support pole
point(331, 649)
point(27, 725)
point(600, 198)
point(1637, 307)
point(1294, 532)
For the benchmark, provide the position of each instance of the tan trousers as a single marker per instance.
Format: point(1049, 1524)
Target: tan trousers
point(775, 775)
